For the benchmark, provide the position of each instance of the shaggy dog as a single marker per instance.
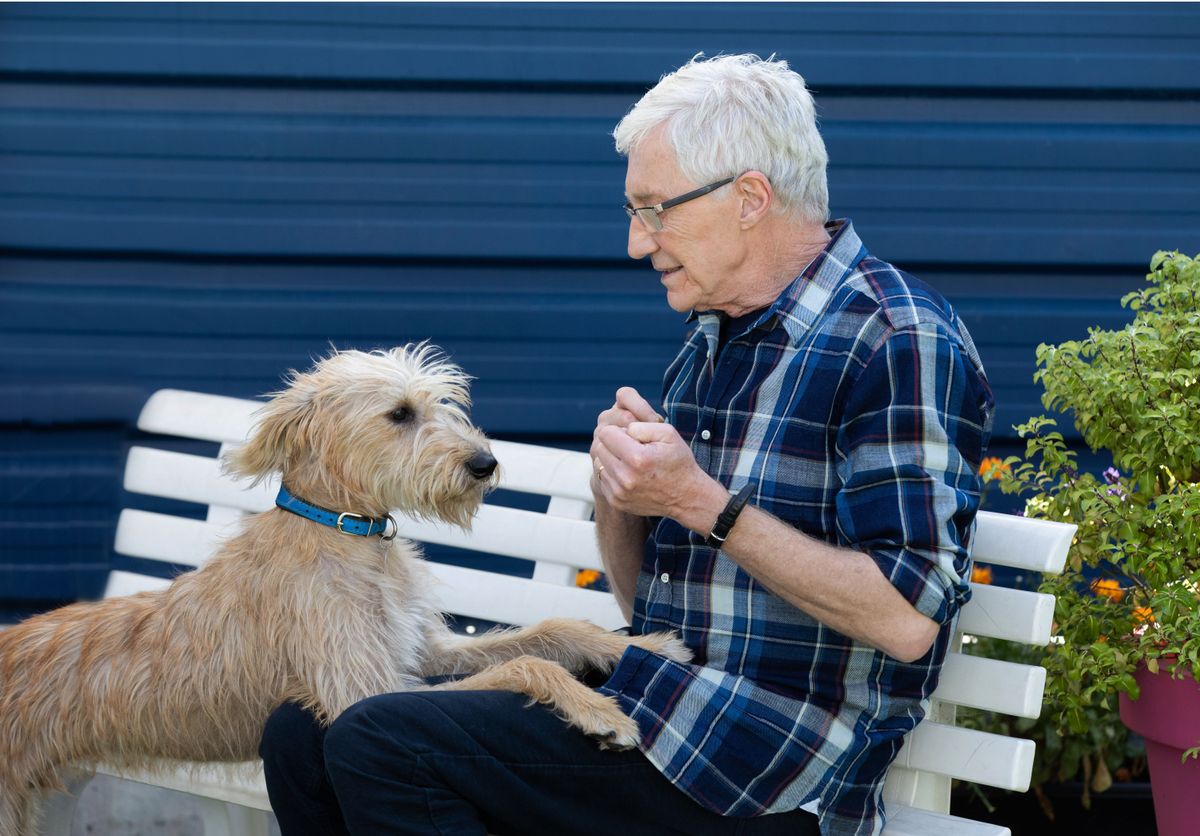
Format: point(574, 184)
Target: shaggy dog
point(291, 609)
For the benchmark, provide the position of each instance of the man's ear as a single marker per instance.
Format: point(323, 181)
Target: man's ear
point(754, 191)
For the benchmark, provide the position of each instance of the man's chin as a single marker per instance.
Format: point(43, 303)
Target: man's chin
point(680, 302)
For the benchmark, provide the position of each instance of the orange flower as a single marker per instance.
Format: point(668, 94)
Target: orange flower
point(981, 574)
point(586, 577)
point(1143, 615)
point(1109, 589)
point(992, 468)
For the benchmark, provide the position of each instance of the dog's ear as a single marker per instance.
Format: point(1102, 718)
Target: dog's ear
point(281, 432)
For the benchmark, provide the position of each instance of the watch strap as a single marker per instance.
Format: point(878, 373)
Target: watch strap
point(726, 519)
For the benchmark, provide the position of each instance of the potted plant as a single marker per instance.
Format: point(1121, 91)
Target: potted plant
point(1127, 612)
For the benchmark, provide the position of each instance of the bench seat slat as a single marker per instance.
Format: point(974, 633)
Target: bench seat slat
point(251, 791)
point(913, 821)
point(243, 785)
point(969, 755)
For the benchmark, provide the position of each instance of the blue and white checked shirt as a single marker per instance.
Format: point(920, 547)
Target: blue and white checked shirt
point(858, 405)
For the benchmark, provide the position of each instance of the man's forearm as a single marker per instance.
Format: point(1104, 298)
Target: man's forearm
point(622, 539)
point(840, 587)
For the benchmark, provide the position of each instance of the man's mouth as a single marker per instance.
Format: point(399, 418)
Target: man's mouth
point(667, 273)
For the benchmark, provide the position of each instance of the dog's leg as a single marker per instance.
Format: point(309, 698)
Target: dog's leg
point(576, 645)
point(546, 682)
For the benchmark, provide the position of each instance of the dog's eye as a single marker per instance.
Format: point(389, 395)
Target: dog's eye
point(401, 415)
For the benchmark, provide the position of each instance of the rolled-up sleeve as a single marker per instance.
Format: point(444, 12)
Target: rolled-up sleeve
point(914, 428)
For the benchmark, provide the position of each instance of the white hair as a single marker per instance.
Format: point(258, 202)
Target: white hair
point(736, 113)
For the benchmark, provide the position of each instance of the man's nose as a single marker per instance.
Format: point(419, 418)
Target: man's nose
point(641, 240)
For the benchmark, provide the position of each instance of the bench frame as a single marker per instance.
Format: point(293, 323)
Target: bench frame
point(560, 542)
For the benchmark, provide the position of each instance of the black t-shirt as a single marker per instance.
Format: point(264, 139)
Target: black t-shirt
point(732, 326)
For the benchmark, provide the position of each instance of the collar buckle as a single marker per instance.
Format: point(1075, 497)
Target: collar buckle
point(358, 517)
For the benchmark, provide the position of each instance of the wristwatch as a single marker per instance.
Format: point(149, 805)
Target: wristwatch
point(726, 519)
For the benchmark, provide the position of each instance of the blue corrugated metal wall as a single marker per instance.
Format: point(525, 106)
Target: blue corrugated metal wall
point(201, 196)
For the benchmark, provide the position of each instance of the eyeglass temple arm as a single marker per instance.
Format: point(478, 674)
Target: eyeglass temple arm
point(700, 192)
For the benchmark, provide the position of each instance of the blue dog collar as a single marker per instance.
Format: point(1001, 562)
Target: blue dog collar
point(345, 522)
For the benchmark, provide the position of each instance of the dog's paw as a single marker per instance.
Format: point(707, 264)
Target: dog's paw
point(600, 718)
point(664, 644)
point(619, 736)
point(619, 742)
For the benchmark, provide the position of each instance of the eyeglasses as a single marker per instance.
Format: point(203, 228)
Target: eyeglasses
point(650, 214)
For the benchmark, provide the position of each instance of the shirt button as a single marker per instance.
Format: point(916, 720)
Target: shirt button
point(706, 435)
point(664, 577)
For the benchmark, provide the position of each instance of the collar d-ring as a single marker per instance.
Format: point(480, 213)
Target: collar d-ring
point(387, 538)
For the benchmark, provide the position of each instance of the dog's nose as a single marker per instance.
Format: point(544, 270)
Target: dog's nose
point(482, 465)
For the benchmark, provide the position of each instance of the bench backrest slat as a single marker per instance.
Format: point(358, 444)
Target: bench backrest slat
point(992, 685)
point(1016, 615)
point(530, 469)
point(509, 532)
point(152, 536)
point(968, 755)
point(1021, 542)
point(198, 415)
point(192, 478)
point(521, 601)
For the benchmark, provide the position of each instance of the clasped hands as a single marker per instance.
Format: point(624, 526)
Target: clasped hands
point(641, 466)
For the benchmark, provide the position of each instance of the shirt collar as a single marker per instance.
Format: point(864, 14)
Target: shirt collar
point(802, 301)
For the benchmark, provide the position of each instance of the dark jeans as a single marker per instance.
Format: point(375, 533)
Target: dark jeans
point(461, 763)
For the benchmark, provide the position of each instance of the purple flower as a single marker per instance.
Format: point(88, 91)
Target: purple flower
point(1112, 476)
point(1115, 490)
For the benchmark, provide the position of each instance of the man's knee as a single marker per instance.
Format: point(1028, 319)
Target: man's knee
point(290, 733)
point(369, 727)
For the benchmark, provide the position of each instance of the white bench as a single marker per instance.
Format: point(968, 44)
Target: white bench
point(560, 541)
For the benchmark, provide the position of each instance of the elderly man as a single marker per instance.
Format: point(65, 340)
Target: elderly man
point(844, 407)
point(798, 505)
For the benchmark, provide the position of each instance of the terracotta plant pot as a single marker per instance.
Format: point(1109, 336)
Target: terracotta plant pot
point(1167, 715)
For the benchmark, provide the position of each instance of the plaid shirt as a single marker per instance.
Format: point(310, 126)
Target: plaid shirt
point(858, 406)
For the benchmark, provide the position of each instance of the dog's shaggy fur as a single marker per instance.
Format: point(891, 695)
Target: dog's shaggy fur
point(289, 609)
